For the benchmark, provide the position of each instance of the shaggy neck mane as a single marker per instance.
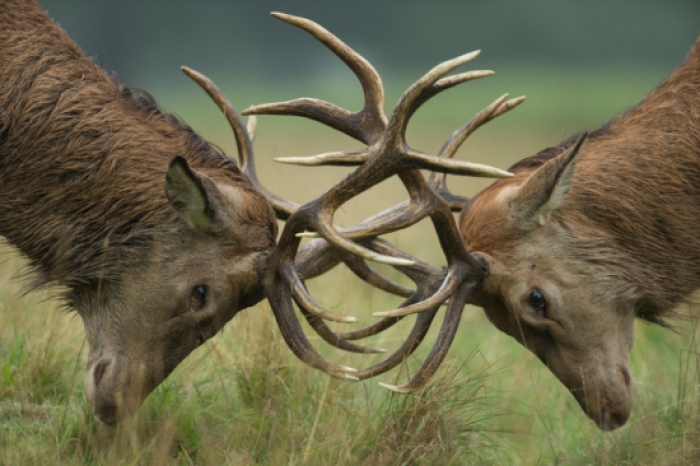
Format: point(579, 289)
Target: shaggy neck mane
point(82, 158)
point(635, 203)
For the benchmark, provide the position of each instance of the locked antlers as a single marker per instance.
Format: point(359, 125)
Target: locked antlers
point(386, 154)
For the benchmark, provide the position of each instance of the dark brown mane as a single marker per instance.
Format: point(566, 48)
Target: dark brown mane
point(72, 137)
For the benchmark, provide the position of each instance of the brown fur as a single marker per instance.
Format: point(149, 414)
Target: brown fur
point(82, 158)
point(83, 163)
point(623, 240)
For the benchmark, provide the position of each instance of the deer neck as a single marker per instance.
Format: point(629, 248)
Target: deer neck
point(637, 189)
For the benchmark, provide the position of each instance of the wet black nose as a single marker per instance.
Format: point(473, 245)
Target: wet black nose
point(107, 413)
point(612, 420)
point(105, 407)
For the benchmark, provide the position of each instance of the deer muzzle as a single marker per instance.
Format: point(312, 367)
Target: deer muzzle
point(114, 391)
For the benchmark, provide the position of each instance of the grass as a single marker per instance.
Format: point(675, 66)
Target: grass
point(243, 398)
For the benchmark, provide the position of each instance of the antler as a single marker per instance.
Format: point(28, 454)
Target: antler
point(244, 141)
point(386, 154)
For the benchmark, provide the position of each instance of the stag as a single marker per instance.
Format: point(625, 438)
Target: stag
point(154, 235)
point(158, 239)
point(593, 233)
point(581, 240)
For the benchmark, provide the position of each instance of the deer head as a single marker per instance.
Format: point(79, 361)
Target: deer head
point(547, 286)
point(174, 291)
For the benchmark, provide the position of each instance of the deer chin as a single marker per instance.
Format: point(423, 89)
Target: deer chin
point(611, 415)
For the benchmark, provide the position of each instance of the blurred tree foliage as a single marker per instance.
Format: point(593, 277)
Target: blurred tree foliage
point(145, 40)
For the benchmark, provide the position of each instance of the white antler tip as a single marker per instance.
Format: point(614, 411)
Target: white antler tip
point(347, 369)
point(308, 234)
point(393, 388)
point(389, 260)
point(299, 160)
point(393, 313)
point(351, 378)
point(467, 57)
point(402, 311)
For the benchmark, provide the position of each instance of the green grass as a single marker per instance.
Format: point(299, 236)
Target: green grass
point(243, 398)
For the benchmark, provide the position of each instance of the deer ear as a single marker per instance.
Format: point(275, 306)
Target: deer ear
point(545, 190)
point(188, 194)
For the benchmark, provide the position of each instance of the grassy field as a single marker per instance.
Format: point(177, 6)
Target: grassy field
point(243, 398)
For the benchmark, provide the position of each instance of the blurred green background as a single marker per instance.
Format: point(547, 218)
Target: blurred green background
point(578, 63)
point(243, 398)
point(145, 41)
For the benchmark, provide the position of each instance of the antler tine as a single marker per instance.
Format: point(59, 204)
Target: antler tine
point(366, 125)
point(252, 127)
point(333, 339)
point(450, 147)
point(438, 181)
point(414, 339)
point(421, 91)
point(416, 336)
point(427, 280)
point(244, 141)
point(305, 302)
point(315, 258)
point(421, 273)
point(279, 296)
point(301, 296)
point(318, 256)
point(360, 268)
point(397, 218)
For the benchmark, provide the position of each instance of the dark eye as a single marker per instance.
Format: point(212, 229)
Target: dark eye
point(536, 300)
point(199, 296)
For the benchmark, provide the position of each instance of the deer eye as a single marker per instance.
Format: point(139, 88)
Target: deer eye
point(537, 301)
point(198, 298)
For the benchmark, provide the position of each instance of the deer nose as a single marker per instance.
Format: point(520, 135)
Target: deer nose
point(103, 402)
point(610, 420)
point(99, 371)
